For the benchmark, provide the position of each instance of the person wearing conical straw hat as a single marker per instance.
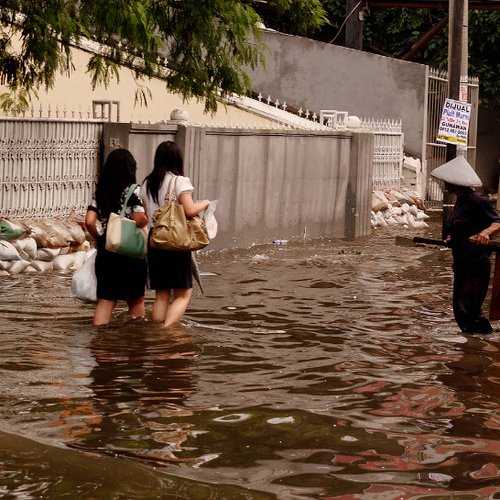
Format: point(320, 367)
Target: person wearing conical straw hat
point(468, 230)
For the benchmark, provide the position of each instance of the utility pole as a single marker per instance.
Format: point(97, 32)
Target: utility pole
point(458, 15)
point(354, 24)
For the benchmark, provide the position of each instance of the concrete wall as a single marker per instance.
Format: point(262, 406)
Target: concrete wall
point(316, 75)
point(270, 183)
point(274, 184)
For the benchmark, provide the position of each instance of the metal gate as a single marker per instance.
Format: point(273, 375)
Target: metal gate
point(436, 152)
point(47, 167)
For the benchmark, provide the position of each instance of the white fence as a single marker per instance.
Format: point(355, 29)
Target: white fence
point(388, 146)
point(47, 167)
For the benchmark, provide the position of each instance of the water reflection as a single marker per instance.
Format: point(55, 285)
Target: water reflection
point(332, 370)
point(138, 382)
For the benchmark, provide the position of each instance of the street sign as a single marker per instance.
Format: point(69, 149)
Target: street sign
point(454, 123)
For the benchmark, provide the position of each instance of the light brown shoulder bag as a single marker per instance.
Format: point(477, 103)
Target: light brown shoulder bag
point(172, 230)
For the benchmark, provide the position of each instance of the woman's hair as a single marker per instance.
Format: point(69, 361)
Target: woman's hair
point(116, 174)
point(168, 158)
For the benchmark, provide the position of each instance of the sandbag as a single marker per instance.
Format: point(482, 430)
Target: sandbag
point(413, 210)
point(380, 219)
point(84, 247)
point(78, 219)
point(39, 234)
point(28, 245)
point(377, 204)
point(57, 232)
point(84, 282)
point(42, 265)
point(418, 201)
point(391, 198)
point(45, 234)
point(8, 251)
point(24, 255)
point(422, 216)
point(64, 262)
point(402, 198)
point(5, 265)
point(19, 266)
point(10, 230)
point(47, 254)
point(76, 232)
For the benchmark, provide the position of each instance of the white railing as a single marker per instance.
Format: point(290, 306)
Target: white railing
point(47, 167)
point(388, 152)
point(388, 146)
point(101, 110)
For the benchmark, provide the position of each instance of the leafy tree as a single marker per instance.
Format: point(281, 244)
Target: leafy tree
point(393, 31)
point(396, 30)
point(205, 44)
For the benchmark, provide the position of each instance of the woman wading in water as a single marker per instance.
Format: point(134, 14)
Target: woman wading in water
point(118, 277)
point(170, 271)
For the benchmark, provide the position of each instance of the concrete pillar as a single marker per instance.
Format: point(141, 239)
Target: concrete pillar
point(359, 186)
point(115, 135)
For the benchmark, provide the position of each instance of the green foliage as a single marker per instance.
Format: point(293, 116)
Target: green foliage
point(15, 101)
point(393, 31)
point(484, 59)
point(301, 17)
point(207, 43)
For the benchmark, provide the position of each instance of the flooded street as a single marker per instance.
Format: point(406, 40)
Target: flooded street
point(324, 369)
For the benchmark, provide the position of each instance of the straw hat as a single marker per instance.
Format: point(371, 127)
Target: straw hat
point(458, 172)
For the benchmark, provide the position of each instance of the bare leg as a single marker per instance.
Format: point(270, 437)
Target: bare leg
point(136, 307)
point(160, 305)
point(178, 306)
point(103, 311)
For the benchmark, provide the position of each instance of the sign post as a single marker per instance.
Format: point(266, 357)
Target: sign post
point(458, 14)
point(454, 123)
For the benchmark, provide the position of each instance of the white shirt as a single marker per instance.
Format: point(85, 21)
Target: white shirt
point(183, 186)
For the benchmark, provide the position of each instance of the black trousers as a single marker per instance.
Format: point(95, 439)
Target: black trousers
point(470, 286)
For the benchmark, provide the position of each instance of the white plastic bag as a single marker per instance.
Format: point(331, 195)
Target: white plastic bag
point(84, 282)
point(210, 222)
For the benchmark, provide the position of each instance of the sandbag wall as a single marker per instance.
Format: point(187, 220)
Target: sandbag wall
point(391, 208)
point(40, 245)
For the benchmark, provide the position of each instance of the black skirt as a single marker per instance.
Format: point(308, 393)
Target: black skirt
point(169, 269)
point(118, 277)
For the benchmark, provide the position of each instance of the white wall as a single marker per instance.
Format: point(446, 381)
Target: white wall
point(74, 93)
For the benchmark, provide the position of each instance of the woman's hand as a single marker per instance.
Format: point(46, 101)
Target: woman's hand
point(192, 208)
point(140, 219)
point(91, 224)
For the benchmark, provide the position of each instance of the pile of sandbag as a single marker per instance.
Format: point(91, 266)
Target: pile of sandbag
point(391, 207)
point(41, 245)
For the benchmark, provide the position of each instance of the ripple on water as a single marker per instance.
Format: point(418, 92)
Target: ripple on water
point(305, 371)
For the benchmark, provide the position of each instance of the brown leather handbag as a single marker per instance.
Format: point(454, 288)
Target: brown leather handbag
point(172, 230)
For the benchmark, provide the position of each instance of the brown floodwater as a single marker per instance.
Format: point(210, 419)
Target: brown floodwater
point(312, 370)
